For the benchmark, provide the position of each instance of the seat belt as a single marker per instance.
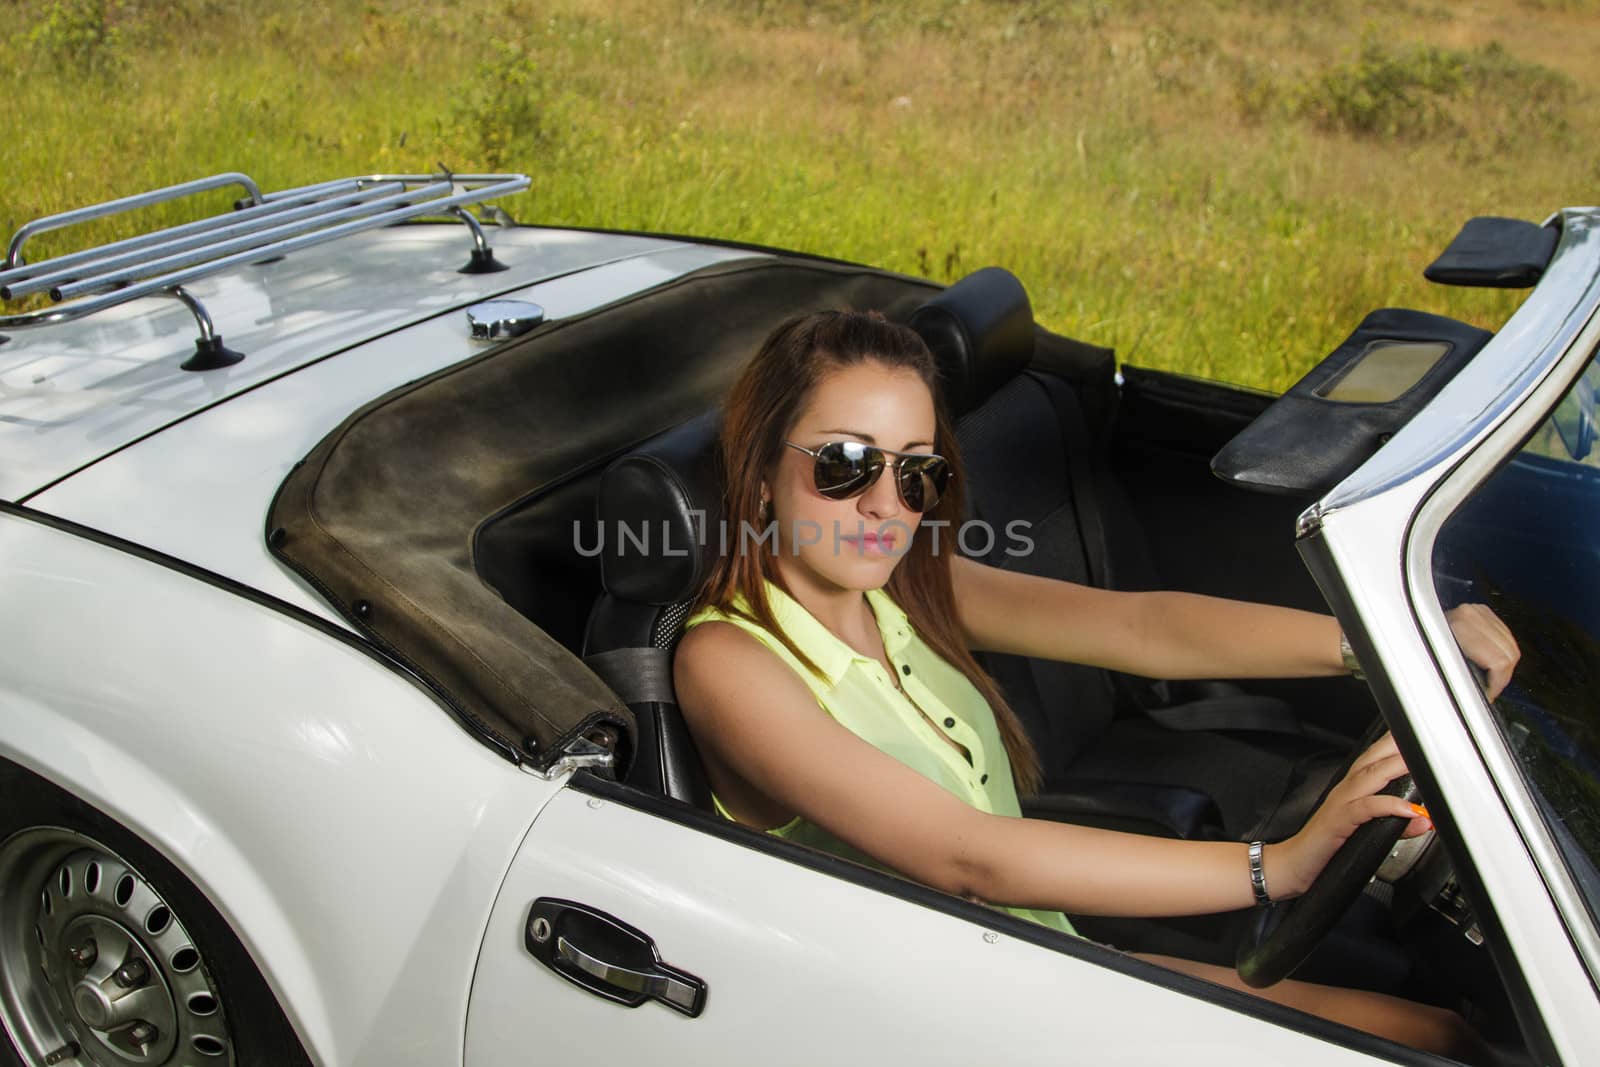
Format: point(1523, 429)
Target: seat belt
point(637, 675)
point(1240, 711)
point(1243, 711)
point(1085, 502)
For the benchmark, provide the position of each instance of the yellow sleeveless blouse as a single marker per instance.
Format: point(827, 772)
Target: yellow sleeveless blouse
point(860, 696)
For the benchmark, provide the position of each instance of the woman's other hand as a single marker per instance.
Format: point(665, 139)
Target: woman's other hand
point(1292, 865)
point(1486, 642)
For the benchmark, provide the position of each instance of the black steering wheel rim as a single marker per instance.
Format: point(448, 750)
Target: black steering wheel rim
point(1284, 933)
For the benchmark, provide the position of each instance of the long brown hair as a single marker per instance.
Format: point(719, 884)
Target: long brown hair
point(760, 413)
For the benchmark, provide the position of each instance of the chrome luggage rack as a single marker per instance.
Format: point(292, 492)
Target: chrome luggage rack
point(261, 227)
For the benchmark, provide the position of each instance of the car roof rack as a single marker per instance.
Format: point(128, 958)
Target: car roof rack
point(260, 227)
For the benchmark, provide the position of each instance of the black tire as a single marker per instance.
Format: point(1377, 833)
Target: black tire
point(258, 1032)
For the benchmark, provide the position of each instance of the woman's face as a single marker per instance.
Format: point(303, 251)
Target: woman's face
point(830, 545)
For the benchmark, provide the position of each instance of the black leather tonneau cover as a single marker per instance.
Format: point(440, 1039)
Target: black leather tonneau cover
point(381, 516)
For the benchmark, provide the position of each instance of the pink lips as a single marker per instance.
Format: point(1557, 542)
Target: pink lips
point(868, 544)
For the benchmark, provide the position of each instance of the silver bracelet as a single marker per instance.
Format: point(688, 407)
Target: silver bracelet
point(1348, 655)
point(1258, 874)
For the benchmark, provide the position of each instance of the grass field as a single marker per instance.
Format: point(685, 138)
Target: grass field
point(1220, 188)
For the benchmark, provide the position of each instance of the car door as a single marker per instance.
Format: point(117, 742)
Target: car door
point(775, 955)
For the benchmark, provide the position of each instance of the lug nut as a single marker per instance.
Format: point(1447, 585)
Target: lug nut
point(143, 1033)
point(85, 954)
point(132, 973)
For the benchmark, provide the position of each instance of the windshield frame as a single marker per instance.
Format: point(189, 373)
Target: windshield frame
point(1580, 915)
point(1369, 542)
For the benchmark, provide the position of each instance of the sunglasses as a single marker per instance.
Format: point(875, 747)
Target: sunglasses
point(845, 469)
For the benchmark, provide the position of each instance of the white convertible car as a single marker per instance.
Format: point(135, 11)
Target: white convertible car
point(345, 536)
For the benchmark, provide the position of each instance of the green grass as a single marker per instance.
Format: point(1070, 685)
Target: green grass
point(1215, 188)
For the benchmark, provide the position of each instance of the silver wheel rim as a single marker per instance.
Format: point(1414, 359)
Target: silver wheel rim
point(95, 967)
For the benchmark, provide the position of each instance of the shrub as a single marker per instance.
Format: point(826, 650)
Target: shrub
point(1414, 91)
point(79, 34)
point(1394, 92)
point(504, 110)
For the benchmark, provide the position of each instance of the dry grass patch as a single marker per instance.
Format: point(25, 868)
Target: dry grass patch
point(1184, 181)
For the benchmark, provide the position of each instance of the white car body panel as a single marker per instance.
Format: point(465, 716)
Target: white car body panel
point(235, 455)
point(804, 968)
point(350, 831)
point(363, 985)
point(72, 392)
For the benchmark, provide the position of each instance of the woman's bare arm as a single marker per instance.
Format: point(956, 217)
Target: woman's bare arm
point(1159, 635)
point(752, 715)
point(1181, 635)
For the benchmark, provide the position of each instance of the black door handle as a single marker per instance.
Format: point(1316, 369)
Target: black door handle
point(608, 957)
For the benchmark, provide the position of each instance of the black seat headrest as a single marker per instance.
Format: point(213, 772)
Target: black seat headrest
point(659, 510)
point(981, 332)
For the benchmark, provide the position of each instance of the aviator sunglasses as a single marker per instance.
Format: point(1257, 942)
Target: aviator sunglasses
point(845, 469)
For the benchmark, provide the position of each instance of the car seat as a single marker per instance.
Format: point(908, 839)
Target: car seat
point(1202, 759)
point(667, 489)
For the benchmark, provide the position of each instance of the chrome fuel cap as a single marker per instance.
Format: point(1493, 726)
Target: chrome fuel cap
point(495, 320)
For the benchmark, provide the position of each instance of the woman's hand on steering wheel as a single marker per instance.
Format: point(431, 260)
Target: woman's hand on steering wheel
point(1291, 866)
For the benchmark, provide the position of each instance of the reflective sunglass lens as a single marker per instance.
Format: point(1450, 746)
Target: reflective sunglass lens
point(844, 468)
point(922, 481)
point(911, 489)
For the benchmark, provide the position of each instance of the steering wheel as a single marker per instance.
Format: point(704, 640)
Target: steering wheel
point(1284, 933)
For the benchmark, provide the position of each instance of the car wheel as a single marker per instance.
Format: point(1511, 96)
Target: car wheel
point(109, 956)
